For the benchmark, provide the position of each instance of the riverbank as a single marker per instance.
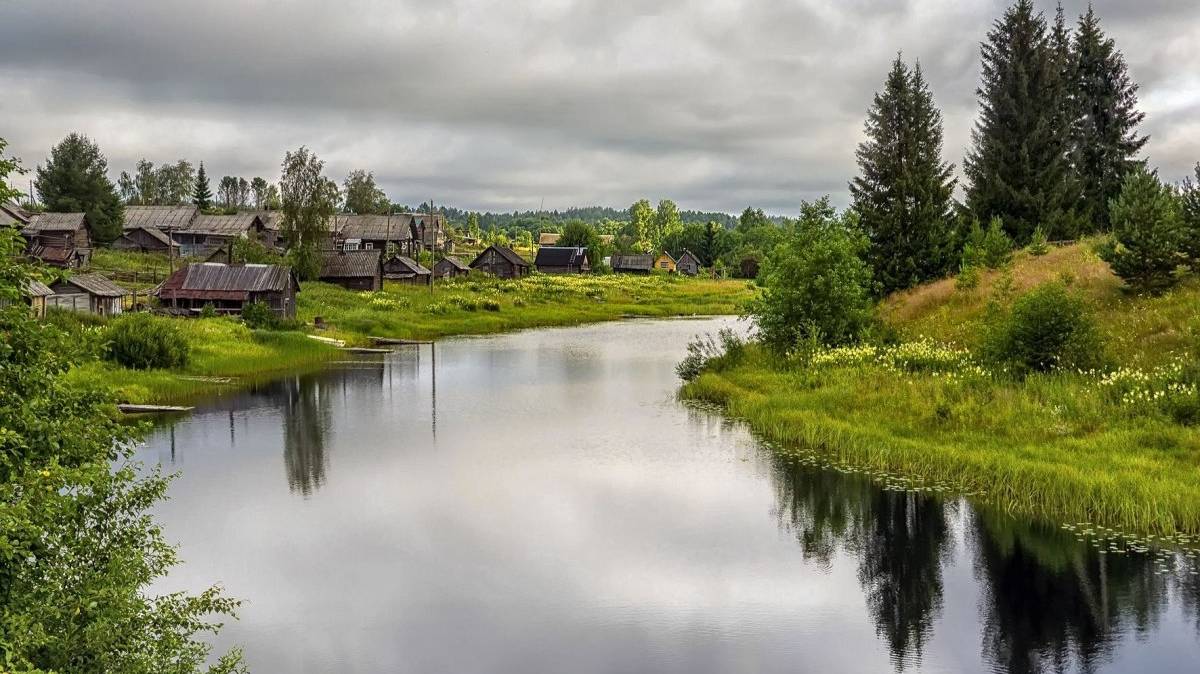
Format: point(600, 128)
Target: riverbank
point(226, 354)
point(1118, 447)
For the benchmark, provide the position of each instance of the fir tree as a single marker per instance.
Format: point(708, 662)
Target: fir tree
point(903, 195)
point(75, 179)
point(1189, 204)
point(1148, 241)
point(1106, 120)
point(1018, 168)
point(202, 195)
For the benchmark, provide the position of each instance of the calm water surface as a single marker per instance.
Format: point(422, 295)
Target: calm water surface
point(538, 502)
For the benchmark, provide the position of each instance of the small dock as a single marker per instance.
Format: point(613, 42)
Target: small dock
point(152, 409)
point(397, 342)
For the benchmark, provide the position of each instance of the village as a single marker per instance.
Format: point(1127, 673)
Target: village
point(361, 253)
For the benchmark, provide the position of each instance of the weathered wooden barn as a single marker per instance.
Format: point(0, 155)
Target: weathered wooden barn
point(59, 239)
point(500, 261)
point(207, 232)
point(229, 288)
point(88, 293)
point(146, 239)
point(164, 218)
point(688, 263)
point(632, 264)
point(404, 269)
point(562, 260)
point(353, 269)
point(34, 296)
point(450, 267)
point(664, 262)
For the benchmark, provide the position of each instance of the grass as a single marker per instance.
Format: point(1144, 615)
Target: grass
point(1117, 449)
point(225, 353)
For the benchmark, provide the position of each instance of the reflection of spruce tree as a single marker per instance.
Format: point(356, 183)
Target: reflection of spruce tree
point(305, 422)
point(1052, 601)
point(900, 553)
point(819, 507)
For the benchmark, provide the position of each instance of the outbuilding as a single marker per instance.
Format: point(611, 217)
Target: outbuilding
point(34, 297)
point(229, 288)
point(688, 263)
point(664, 262)
point(353, 269)
point(146, 239)
point(632, 264)
point(500, 261)
point(450, 267)
point(88, 293)
point(59, 239)
point(562, 260)
point(404, 269)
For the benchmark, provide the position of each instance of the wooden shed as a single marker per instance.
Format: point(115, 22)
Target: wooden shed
point(88, 293)
point(405, 270)
point(59, 239)
point(500, 261)
point(353, 269)
point(562, 260)
point(664, 262)
point(632, 264)
point(688, 263)
point(229, 288)
point(450, 267)
point(146, 239)
point(34, 297)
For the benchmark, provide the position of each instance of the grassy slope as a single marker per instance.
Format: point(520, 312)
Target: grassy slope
point(223, 348)
point(1056, 447)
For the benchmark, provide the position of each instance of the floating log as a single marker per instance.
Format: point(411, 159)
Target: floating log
point(397, 341)
point(152, 409)
point(363, 349)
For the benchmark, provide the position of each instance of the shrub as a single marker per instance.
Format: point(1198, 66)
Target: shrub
point(490, 305)
point(1037, 243)
point(143, 342)
point(208, 311)
point(705, 351)
point(258, 316)
point(1046, 329)
point(990, 248)
point(1148, 242)
point(1189, 204)
point(968, 277)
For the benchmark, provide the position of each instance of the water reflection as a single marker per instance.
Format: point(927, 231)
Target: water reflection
point(306, 420)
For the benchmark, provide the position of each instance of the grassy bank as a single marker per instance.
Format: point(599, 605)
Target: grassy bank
point(1117, 447)
point(225, 353)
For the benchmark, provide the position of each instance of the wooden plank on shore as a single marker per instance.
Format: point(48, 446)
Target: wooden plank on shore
point(363, 349)
point(152, 409)
point(397, 341)
point(328, 340)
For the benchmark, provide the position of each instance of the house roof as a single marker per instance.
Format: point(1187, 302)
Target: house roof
point(95, 284)
point(687, 253)
point(35, 288)
point(664, 254)
point(52, 254)
point(409, 264)
point(56, 222)
point(560, 256)
point(163, 217)
point(212, 280)
point(223, 225)
point(12, 215)
point(154, 233)
point(548, 238)
point(374, 227)
point(272, 220)
point(350, 264)
point(504, 252)
point(453, 262)
point(633, 262)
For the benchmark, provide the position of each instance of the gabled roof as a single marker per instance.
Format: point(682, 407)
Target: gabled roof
point(95, 284)
point(408, 264)
point(58, 255)
point(12, 215)
point(35, 288)
point(548, 238)
point(163, 217)
point(350, 264)
point(374, 227)
point(212, 280)
point(504, 252)
point(687, 253)
point(664, 254)
point(453, 262)
point(56, 222)
point(560, 256)
point(633, 262)
point(154, 233)
point(272, 220)
point(223, 225)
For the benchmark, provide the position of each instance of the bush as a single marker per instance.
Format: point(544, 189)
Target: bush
point(258, 316)
point(208, 311)
point(490, 305)
point(705, 352)
point(1046, 329)
point(1148, 242)
point(1189, 205)
point(990, 248)
point(144, 342)
point(968, 277)
point(1037, 243)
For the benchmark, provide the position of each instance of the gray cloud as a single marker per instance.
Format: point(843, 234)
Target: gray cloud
point(486, 105)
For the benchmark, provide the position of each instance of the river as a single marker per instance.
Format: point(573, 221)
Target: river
point(539, 502)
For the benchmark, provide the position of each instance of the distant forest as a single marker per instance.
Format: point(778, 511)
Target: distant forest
point(538, 221)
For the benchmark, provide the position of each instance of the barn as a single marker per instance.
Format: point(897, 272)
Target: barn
point(688, 263)
point(405, 270)
point(562, 260)
point(229, 288)
point(632, 264)
point(146, 239)
point(353, 269)
point(88, 293)
point(450, 267)
point(500, 261)
point(59, 239)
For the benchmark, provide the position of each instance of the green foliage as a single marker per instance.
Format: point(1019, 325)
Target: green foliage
point(145, 342)
point(75, 179)
point(1038, 245)
point(258, 316)
point(666, 223)
point(816, 282)
point(1189, 213)
point(1148, 238)
point(208, 311)
point(252, 251)
point(1046, 329)
point(903, 192)
point(706, 352)
point(579, 233)
point(309, 202)
point(201, 193)
point(363, 196)
point(990, 248)
point(968, 276)
point(641, 222)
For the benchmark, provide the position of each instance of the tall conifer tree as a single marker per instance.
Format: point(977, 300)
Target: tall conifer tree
point(202, 194)
point(903, 193)
point(1018, 168)
point(1105, 131)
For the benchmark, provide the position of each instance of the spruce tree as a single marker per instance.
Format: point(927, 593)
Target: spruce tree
point(1148, 242)
point(1018, 168)
point(903, 193)
point(1105, 130)
point(75, 179)
point(1189, 205)
point(201, 194)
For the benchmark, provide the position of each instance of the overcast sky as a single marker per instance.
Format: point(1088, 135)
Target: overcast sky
point(718, 104)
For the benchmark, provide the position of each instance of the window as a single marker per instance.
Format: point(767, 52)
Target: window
point(368, 246)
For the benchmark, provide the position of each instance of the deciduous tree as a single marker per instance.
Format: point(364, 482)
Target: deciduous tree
point(363, 196)
point(309, 203)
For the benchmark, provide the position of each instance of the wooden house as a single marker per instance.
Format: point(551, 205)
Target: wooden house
point(562, 260)
point(374, 232)
point(59, 239)
point(229, 288)
point(353, 269)
point(500, 261)
point(34, 297)
point(450, 267)
point(146, 239)
point(163, 218)
point(88, 293)
point(664, 262)
point(688, 263)
point(406, 270)
point(632, 264)
point(207, 232)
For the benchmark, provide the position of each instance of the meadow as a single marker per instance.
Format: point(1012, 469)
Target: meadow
point(1118, 445)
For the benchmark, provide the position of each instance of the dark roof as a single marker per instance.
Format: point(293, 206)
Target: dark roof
point(407, 263)
point(560, 256)
point(12, 215)
point(212, 280)
point(373, 227)
point(154, 233)
point(453, 262)
point(350, 264)
point(222, 225)
point(504, 252)
point(56, 222)
point(95, 284)
point(174, 217)
point(633, 262)
point(687, 253)
point(52, 254)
